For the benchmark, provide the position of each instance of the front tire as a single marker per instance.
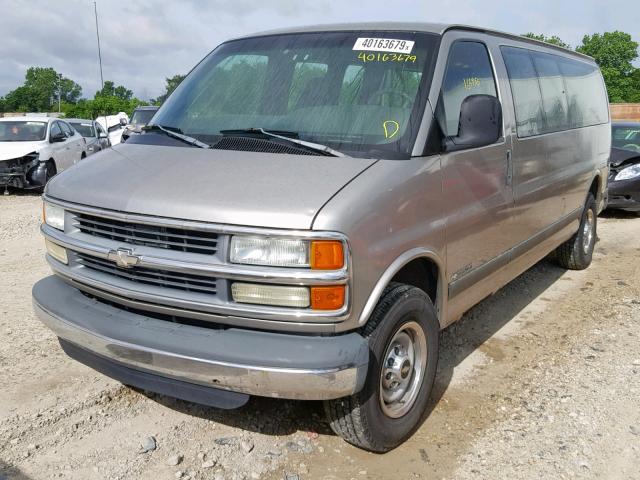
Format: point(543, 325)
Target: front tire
point(577, 252)
point(403, 346)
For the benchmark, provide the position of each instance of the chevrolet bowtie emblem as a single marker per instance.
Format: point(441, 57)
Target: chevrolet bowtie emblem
point(123, 257)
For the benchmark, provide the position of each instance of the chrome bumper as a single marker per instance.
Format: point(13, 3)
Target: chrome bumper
point(245, 361)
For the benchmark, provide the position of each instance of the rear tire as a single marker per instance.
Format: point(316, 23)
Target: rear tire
point(402, 331)
point(577, 252)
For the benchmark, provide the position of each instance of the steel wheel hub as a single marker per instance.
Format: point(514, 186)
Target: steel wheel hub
point(403, 370)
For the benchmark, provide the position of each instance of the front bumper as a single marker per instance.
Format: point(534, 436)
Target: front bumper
point(624, 194)
point(26, 176)
point(245, 361)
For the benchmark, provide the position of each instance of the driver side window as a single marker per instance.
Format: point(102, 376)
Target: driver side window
point(468, 73)
point(55, 130)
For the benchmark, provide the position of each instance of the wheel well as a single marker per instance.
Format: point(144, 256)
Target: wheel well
point(595, 187)
point(421, 273)
point(53, 162)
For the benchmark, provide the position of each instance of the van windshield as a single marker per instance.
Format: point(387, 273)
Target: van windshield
point(362, 93)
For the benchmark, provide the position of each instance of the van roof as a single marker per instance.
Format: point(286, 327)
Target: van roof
point(428, 27)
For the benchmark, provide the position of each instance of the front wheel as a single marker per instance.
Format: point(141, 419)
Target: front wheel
point(577, 252)
point(403, 355)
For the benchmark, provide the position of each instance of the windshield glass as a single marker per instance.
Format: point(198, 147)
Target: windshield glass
point(362, 93)
point(626, 137)
point(84, 129)
point(142, 117)
point(22, 131)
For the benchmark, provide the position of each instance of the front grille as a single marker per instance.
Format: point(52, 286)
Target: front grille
point(160, 278)
point(170, 238)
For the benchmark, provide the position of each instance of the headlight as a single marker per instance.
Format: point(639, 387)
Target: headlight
point(53, 216)
point(628, 173)
point(268, 251)
point(287, 252)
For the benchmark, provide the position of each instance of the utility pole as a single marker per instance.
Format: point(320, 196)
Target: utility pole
point(59, 90)
point(95, 9)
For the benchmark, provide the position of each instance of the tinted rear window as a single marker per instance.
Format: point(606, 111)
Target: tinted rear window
point(553, 93)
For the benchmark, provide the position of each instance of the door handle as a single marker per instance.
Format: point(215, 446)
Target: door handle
point(509, 179)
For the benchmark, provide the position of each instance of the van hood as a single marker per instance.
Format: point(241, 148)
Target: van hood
point(218, 186)
point(9, 150)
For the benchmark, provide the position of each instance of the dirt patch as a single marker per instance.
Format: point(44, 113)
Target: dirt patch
point(541, 380)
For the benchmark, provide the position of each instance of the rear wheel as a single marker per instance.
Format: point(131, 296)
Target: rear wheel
point(403, 346)
point(577, 252)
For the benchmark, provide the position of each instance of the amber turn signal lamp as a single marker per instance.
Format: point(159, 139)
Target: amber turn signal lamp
point(327, 255)
point(327, 298)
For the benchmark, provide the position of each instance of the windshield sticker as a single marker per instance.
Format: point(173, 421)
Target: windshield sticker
point(391, 128)
point(386, 57)
point(384, 45)
point(471, 82)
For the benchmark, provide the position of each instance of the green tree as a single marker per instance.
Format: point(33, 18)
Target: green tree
point(615, 52)
point(171, 84)
point(40, 91)
point(110, 90)
point(553, 40)
point(611, 50)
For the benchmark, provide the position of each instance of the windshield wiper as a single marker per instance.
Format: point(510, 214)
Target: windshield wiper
point(286, 136)
point(176, 133)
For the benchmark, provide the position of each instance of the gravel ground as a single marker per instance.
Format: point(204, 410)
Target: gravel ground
point(541, 380)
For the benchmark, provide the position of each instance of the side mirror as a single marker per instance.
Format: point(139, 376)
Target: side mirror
point(480, 123)
point(58, 137)
point(123, 121)
point(102, 135)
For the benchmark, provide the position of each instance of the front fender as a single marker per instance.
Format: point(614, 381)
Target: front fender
point(394, 268)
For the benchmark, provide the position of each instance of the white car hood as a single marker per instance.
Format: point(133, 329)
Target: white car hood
point(9, 150)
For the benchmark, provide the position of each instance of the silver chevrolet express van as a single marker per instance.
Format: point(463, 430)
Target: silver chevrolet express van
point(311, 206)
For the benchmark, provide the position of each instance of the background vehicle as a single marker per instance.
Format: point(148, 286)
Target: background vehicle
point(139, 118)
point(114, 125)
point(624, 177)
point(93, 133)
point(332, 197)
point(33, 149)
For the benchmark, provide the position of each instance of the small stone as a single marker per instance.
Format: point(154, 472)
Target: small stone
point(362, 472)
point(321, 449)
point(32, 446)
point(209, 464)
point(423, 455)
point(634, 430)
point(179, 474)
point(14, 441)
point(225, 440)
point(303, 469)
point(293, 446)
point(246, 446)
point(255, 475)
point(148, 445)
point(218, 476)
point(201, 456)
point(174, 460)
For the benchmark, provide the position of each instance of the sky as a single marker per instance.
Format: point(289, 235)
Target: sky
point(145, 41)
